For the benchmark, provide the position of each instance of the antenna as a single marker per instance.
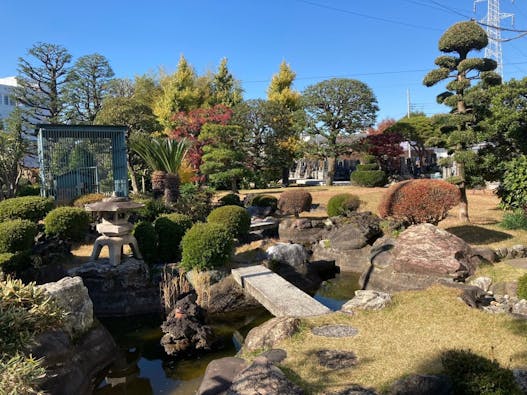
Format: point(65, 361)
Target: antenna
point(492, 21)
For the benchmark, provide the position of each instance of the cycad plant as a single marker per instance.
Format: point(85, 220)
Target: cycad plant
point(164, 156)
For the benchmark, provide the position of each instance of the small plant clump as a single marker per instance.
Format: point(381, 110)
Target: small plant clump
point(522, 287)
point(146, 237)
point(472, 374)
point(67, 223)
point(32, 208)
point(206, 246)
point(343, 204)
point(419, 201)
point(231, 199)
point(17, 235)
point(368, 173)
point(170, 229)
point(89, 198)
point(152, 209)
point(235, 219)
point(514, 220)
point(295, 202)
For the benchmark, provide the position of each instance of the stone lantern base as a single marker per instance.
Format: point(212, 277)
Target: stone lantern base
point(115, 245)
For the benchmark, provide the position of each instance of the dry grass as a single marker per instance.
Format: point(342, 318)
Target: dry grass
point(406, 338)
point(501, 272)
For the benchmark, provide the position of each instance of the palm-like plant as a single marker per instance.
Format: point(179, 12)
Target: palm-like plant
point(164, 156)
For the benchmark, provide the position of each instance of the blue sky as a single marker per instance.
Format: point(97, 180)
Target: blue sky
point(390, 45)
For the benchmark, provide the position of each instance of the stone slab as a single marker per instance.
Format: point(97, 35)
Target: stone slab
point(263, 225)
point(277, 295)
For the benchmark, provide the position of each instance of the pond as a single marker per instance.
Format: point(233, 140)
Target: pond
point(144, 368)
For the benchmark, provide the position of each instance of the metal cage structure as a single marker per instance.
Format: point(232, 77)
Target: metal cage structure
point(79, 159)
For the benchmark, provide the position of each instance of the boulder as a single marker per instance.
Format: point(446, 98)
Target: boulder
point(185, 329)
point(292, 254)
point(381, 252)
point(422, 385)
point(482, 282)
point(426, 249)
point(367, 300)
point(302, 230)
point(520, 308)
point(270, 333)
point(122, 290)
point(72, 366)
point(71, 296)
point(347, 260)
point(219, 375)
point(262, 378)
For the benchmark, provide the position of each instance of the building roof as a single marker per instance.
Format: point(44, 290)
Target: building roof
point(10, 81)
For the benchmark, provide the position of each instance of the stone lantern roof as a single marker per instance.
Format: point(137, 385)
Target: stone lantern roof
point(113, 204)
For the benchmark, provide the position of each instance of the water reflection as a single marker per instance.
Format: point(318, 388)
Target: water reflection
point(142, 366)
point(337, 291)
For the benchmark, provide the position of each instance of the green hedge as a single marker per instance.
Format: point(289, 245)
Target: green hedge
point(370, 178)
point(17, 235)
point(233, 218)
point(231, 199)
point(67, 223)
point(170, 229)
point(522, 287)
point(368, 167)
point(343, 204)
point(146, 236)
point(32, 208)
point(206, 246)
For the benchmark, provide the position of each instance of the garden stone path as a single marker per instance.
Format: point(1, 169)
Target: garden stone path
point(278, 296)
point(335, 331)
point(333, 359)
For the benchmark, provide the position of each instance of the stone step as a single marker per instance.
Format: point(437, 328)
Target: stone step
point(277, 295)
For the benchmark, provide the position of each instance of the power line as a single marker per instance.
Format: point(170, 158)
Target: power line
point(375, 18)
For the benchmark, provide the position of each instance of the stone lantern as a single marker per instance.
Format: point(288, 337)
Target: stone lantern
point(114, 227)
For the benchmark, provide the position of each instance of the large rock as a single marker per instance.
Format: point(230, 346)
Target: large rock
point(302, 230)
point(292, 254)
point(72, 366)
point(219, 375)
point(367, 300)
point(347, 260)
point(185, 329)
point(426, 249)
point(71, 296)
point(262, 378)
point(122, 290)
point(270, 333)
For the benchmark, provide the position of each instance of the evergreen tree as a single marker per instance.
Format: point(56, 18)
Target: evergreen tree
point(226, 89)
point(458, 127)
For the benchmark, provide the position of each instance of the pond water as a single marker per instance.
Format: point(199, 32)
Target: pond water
point(145, 369)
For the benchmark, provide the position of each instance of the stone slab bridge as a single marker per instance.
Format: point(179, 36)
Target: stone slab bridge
point(277, 295)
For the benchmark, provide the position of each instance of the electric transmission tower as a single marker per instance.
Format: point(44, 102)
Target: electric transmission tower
point(492, 23)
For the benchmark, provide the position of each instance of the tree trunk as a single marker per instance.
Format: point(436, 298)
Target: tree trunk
point(133, 177)
point(463, 201)
point(285, 176)
point(158, 183)
point(171, 188)
point(330, 174)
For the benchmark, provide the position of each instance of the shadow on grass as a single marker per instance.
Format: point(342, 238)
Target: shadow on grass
point(477, 235)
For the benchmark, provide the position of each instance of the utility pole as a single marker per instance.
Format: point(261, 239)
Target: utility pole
point(408, 106)
point(492, 26)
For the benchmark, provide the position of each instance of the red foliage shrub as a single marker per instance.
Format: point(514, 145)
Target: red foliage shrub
point(419, 201)
point(295, 201)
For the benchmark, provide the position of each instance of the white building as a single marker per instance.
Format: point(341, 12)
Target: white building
point(7, 104)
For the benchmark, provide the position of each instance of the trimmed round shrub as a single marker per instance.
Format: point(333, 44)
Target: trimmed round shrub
point(67, 223)
point(231, 199)
point(81, 201)
point(15, 263)
point(170, 229)
point(419, 201)
point(146, 236)
point(295, 201)
point(369, 178)
point(233, 218)
point(32, 208)
point(28, 190)
point(265, 201)
point(472, 374)
point(153, 208)
point(343, 204)
point(368, 167)
point(17, 235)
point(206, 246)
point(522, 287)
